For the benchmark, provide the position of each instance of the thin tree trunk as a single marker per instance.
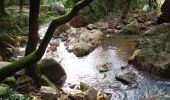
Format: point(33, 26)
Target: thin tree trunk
point(126, 9)
point(2, 8)
point(37, 55)
point(33, 39)
point(21, 6)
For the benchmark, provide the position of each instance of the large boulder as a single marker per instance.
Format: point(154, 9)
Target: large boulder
point(53, 70)
point(153, 51)
point(77, 21)
point(132, 28)
point(84, 41)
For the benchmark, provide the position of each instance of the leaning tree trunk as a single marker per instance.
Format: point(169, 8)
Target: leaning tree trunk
point(2, 8)
point(37, 55)
point(126, 9)
point(32, 70)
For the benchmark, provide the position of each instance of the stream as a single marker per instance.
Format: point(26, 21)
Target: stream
point(115, 50)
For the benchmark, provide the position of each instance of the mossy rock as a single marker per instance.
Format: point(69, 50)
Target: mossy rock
point(132, 28)
point(84, 87)
point(10, 81)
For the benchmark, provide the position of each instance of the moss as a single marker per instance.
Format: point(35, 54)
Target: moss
point(84, 87)
point(10, 81)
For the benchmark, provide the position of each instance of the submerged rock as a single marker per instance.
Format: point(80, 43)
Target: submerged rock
point(53, 70)
point(132, 28)
point(153, 51)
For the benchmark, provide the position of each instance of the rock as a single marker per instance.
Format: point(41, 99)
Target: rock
point(92, 94)
point(153, 51)
point(126, 77)
point(109, 30)
point(104, 67)
point(77, 21)
point(84, 87)
point(74, 94)
point(58, 7)
point(84, 41)
point(45, 81)
point(81, 49)
point(102, 96)
point(7, 93)
point(10, 81)
point(102, 25)
point(53, 70)
point(3, 63)
point(48, 93)
point(62, 29)
point(79, 96)
point(91, 26)
point(132, 28)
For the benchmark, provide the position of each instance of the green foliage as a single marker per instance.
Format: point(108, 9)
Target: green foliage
point(42, 2)
point(14, 24)
point(7, 93)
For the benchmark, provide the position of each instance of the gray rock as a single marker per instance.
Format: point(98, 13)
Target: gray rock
point(153, 52)
point(132, 28)
point(126, 77)
point(48, 93)
point(3, 63)
point(91, 26)
point(58, 7)
point(81, 49)
point(53, 70)
point(84, 41)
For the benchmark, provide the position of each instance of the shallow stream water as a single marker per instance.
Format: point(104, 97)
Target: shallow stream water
point(115, 51)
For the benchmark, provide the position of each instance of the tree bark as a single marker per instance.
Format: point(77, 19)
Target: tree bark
point(126, 9)
point(165, 9)
point(21, 6)
point(32, 70)
point(2, 8)
point(37, 55)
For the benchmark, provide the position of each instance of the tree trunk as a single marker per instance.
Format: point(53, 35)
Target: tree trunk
point(165, 9)
point(37, 55)
point(2, 8)
point(21, 6)
point(32, 70)
point(126, 9)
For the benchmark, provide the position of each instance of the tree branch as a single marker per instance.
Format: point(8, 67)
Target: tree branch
point(12, 68)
